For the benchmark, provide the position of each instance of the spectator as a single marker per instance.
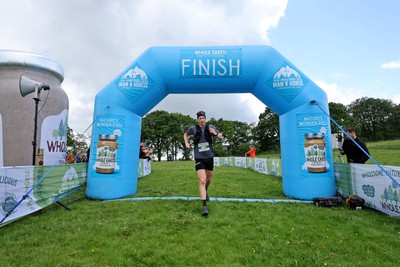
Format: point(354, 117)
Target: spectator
point(78, 157)
point(349, 148)
point(251, 152)
point(145, 152)
point(70, 157)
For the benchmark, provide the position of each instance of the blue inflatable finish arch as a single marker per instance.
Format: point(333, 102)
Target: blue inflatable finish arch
point(305, 134)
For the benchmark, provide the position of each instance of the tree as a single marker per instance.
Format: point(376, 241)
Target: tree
point(371, 115)
point(373, 119)
point(179, 124)
point(185, 122)
point(70, 138)
point(73, 143)
point(266, 133)
point(339, 113)
point(155, 130)
point(236, 135)
point(164, 131)
point(393, 125)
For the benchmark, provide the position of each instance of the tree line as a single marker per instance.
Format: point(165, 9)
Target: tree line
point(373, 119)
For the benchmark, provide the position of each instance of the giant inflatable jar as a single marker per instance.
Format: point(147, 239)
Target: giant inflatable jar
point(18, 110)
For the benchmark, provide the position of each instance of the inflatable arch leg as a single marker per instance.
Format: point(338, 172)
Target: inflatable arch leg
point(115, 129)
point(305, 134)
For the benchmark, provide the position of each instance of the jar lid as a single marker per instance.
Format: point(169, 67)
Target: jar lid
point(13, 58)
point(111, 137)
point(313, 135)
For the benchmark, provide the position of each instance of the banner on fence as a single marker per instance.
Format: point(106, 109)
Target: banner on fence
point(376, 188)
point(344, 186)
point(369, 182)
point(262, 165)
point(15, 182)
point(144, 167)
point(61, 181)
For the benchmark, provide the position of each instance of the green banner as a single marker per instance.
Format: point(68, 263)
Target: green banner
point(343, 179)
point(61, 181)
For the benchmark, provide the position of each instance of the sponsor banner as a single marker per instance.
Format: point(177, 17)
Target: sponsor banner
point(59, 182)
point(53, 142)
point(216, 161)
point(144, 167)
point(250, 163)
point(211, 63)
point(376, 188)
point(15, 182)
point(140, 168)
point(109, 140)
point(226, 161)
point(266, 166)
point(274, 167)
point(240, 162)
point(313, 143)
point(260, 165)
point(344, 185)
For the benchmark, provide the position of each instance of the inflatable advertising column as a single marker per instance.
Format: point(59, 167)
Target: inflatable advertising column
point(17, 112)
point(111, 160)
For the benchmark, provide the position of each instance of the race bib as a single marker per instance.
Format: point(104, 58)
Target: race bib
point(204, 147)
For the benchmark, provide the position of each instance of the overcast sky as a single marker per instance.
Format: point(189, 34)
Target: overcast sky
point(349, 48)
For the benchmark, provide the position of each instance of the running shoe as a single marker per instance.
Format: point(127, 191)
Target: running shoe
point(205, 211)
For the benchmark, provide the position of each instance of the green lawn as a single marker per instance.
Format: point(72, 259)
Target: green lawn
point(173, 233)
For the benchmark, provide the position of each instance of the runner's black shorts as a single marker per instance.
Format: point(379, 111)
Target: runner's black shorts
point(207, 164)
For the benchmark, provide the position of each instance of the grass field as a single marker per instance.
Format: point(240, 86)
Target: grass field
point(385, 153)
point(173, 233)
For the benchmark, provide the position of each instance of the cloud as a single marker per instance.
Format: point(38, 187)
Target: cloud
point(396, 99)
point(338, 94)
point(345, 94)
point(235, 107)
point(95, 40)
point(391, 65)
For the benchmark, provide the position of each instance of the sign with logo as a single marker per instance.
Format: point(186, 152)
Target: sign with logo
point(109, 137)
point(144, 167)
point(16, 182)
point(240, 162)
point(134, 82)
point(250, 163)
point(260, 165)
point(287, 82)
point(313, 142)
point(376, 188)
point(211, 63)
point(53, 142)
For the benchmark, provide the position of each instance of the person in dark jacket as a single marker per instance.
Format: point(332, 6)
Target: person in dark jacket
point(353, 153)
